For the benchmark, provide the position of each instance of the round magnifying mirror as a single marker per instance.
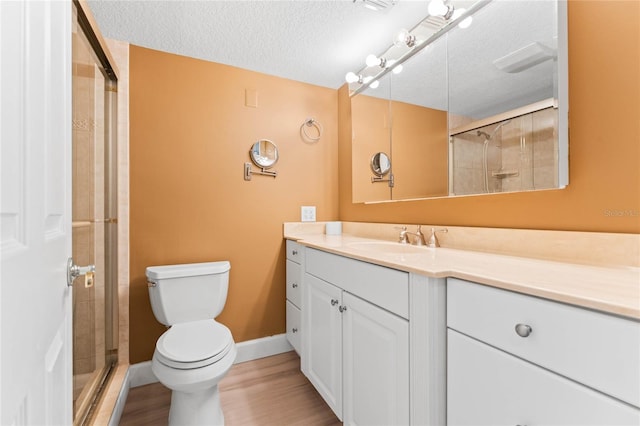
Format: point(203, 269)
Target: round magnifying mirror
point(380, 164)
point(264, 153)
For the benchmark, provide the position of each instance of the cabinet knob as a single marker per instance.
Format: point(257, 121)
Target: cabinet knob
point(294, 285)
point(342, 308)
point(294, 252)
point(294, 330)
point(334, 302)
point(523, 330)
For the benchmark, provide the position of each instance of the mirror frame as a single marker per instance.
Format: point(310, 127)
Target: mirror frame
point(376, 167)
point(254, 157)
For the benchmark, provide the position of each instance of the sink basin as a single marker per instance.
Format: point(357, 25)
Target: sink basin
point(387, 247)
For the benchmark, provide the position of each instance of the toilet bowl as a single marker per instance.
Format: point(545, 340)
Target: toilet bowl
point(194, 354)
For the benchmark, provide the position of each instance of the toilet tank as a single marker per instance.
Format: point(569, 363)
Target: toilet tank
point(188, 292)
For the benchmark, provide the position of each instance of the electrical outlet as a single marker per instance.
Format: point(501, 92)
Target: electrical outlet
point(308, 213)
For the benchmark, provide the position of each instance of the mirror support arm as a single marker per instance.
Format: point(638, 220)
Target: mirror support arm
point(248, 172)
point(391, 181)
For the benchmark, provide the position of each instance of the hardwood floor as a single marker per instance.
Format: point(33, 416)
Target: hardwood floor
point(267, 391)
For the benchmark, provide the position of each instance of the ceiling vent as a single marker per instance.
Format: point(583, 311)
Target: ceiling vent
point(378, 5)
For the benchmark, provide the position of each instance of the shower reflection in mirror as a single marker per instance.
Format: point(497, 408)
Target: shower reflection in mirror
point(515, 154)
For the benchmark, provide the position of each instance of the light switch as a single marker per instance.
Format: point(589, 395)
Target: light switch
point(308, 213)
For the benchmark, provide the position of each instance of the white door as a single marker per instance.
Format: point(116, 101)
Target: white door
point(376, 365)
point(322, 350)
point(35, 212)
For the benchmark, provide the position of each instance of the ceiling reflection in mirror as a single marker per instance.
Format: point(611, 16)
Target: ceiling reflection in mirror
point(504, 76)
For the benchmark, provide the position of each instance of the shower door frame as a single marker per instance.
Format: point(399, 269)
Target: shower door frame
point(103, 59)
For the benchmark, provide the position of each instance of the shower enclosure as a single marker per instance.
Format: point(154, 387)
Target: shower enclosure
point(94, 218)
point(515, 154)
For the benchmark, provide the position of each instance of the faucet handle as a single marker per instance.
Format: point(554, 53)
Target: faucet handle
point(403, 238)
point(433, 240)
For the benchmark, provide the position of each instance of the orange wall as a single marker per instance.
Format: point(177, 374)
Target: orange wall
point(191, 132)
point(604, 166)
point(190, 136)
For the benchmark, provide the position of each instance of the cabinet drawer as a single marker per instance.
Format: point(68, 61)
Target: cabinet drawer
point(295, 251)
point(487, 386)
point(385, 287)
point(293, 326)
point(294, 282)
point(599, 350)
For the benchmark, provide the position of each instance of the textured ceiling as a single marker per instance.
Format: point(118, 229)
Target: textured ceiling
point(316, 42)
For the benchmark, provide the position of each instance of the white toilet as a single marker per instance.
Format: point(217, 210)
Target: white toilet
point(196, 352)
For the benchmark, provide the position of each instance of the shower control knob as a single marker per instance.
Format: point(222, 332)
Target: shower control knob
point(74, 271)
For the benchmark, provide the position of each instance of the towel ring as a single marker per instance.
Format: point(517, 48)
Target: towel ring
point(310, 122)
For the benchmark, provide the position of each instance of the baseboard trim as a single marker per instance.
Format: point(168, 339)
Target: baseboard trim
point(262, 348)
point(140, 374)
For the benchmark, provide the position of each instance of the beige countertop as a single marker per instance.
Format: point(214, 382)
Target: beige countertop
point(614, 290)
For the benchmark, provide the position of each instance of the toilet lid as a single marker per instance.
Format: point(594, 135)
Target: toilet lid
point(195, 341)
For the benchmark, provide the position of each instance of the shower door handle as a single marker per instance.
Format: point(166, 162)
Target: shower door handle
point(74, 271)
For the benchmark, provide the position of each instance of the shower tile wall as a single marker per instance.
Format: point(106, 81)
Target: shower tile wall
point(525, 149)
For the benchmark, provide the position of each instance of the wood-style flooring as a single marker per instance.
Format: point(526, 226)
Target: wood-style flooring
point(267, 391)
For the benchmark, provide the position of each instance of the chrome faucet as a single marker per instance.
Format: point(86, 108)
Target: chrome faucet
point(419, 240)
point(433, 240)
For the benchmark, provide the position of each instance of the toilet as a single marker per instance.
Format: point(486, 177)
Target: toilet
point(196, 352)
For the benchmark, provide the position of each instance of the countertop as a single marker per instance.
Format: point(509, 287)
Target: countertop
point(614, 290)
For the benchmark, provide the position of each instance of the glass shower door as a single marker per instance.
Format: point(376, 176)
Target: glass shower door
point(94, 224)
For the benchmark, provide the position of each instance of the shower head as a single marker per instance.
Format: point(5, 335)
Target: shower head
point(485, 134)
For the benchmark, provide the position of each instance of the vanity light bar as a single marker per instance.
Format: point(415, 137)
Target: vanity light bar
point(421, 45)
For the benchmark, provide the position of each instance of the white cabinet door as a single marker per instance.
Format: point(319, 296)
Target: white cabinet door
point(487, 386)
point(35, 213)
point(376, 365)
point(322, 350)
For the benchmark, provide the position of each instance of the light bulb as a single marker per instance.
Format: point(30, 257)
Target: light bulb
point(404, 38)
point(372, 60)
point(351, 77)
point(437, 8)
point(397, 70)
point(375, 84)
point(465, 22)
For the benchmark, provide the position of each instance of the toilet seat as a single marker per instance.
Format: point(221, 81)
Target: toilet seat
point(194, 344)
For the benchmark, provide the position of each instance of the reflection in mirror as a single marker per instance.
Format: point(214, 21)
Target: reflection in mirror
point(380, 164)
point(504, 127)
point(264, 153)
point(419, 132)
point(371, 133)
point(500, 89)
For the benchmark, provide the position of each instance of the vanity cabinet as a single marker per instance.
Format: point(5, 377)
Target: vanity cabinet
point(356, 338)
point(518, 359)
point(294, 276)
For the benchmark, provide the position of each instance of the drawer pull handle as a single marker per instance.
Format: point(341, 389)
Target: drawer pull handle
point(342, 309)
point(294, 330)
point(523, 330)
point(294, 252)
point(294, 285)
point(334, 302)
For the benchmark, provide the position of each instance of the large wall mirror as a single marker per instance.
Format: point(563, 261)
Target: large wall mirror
point(479, 110)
